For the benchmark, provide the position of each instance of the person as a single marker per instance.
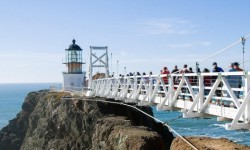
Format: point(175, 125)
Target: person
point(151, 80)
point(138, 78)
point(184, 70)
point(236, 67)
point(165, 72)
point(175, 70)
point(190, 70)
point(207, 81)
point(146, 79)
point(231, 68)
point(165, 78)
point(230, 78)
point(238, 78)
point(192, 79)
point(217, 69)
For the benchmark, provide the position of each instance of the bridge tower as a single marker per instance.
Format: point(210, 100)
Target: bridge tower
point(97, 54)
point(74, 77)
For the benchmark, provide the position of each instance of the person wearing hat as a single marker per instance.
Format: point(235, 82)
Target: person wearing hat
point(236, 67)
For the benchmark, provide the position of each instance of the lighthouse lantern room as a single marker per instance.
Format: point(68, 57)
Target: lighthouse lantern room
point(74, 77)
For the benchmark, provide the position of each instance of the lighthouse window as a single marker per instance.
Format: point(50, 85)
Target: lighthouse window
point(74, 56)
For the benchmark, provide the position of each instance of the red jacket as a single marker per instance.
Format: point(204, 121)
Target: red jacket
point(165, 79)
point(207, 81)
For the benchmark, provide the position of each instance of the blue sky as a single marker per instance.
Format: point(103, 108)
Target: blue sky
point(143, 35)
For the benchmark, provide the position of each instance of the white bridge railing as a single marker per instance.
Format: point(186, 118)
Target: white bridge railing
point(225, 95)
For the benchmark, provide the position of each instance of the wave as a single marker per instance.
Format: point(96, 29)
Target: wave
point(219, 125)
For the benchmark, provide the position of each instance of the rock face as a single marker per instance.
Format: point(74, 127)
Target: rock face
point(207, 143)
point(47, 122)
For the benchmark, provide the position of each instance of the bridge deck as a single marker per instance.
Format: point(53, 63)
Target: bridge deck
point(225, 95)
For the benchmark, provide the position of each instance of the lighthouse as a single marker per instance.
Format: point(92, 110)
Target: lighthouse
point(74, 76)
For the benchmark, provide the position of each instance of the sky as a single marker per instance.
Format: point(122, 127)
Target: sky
point(143, 35)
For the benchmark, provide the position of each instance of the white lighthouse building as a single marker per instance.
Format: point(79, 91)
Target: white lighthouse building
point(74, 77)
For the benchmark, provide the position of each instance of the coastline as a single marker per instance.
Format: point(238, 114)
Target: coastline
point(212, 139)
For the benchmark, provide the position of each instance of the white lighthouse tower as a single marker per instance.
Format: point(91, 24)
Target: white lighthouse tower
point(74, 77)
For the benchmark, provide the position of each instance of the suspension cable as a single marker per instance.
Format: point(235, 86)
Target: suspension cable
point(224, 49)
point(119, 103)
point(218, 52)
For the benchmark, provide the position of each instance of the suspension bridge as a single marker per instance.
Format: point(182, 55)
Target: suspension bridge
point(227, 96)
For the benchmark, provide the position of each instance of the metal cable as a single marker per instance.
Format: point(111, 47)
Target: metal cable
point(172, 120)
point(226, 48)
point(171, 129)
point(218, 52)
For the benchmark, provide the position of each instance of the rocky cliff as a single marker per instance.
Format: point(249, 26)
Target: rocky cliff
point(48, 122)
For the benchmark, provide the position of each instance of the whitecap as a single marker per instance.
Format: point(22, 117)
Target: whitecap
point(219, 125)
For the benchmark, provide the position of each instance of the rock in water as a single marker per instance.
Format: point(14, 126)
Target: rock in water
point(48, 122)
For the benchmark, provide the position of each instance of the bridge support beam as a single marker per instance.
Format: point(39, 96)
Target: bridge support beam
point(223, 119)
point(238, 126)
point(186, 114)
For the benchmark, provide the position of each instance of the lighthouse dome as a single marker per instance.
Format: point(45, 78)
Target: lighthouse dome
point(74, 46)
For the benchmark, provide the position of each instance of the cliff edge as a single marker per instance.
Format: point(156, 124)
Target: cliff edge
point(48, 122)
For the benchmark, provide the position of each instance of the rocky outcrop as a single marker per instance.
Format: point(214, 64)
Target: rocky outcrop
point(207, 143)
point(48, 122)
point(119, 133)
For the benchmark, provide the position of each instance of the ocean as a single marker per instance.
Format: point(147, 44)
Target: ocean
point(13, 95)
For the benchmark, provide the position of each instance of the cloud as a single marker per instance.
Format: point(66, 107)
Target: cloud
point(188, 45)
point(159, 60)
point(169, 26)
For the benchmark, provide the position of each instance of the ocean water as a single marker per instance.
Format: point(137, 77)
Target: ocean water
point(201, 127)
point(13, 95)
